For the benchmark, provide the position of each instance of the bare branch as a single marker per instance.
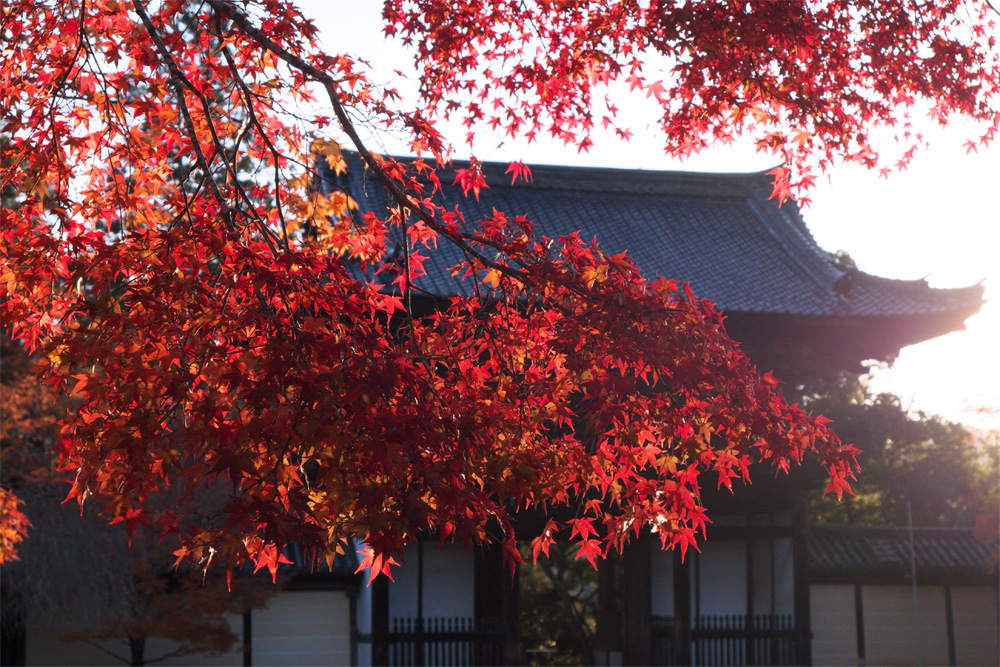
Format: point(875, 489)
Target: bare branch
point(176, 80)
point(330, 85)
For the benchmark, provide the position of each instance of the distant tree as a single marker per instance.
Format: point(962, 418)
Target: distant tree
point(116, 594)
point(946, 472)
point(558, 602)
point(28, 436)
point(105, 588)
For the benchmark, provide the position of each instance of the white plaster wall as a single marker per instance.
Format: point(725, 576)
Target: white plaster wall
point(762, 551)
point(303, 628)
point(780, 549)
point(784, 573)
point(722, 579)
point(783, 599)
point(893, 635)
point(834, 626)
point(403, 587)
point(661, 580)
point(977, 633)
point(449, 583)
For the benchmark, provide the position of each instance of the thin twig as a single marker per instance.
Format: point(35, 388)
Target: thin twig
point(176, 81)
point(330, 85)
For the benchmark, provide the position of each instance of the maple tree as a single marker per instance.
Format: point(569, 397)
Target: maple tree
point(216, 335)
point(13, 525)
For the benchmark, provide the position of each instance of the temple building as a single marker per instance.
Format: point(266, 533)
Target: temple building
point(795, 308)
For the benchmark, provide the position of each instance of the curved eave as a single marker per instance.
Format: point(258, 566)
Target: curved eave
point(797, 346)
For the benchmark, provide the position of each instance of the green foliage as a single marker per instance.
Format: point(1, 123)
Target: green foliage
point(558, 601)
point(947, 472)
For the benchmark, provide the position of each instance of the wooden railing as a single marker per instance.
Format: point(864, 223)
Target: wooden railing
point(443, 642)
point(730, 640)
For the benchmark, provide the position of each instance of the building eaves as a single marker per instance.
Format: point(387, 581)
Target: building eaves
point(873, 553)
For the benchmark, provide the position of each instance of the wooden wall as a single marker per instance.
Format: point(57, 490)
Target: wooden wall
point(976, 627)
point(835, 637)
point(303, 628)
point(892, 633)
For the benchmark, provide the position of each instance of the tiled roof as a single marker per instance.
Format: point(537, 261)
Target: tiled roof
point(857, 552)
point(720, 232)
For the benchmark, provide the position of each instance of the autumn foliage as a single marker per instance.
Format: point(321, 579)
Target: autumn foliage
point(28, 433)
point(13, 526)
point(170, 260)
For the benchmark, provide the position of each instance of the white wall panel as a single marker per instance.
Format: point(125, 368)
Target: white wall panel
point(834, 626)
point(303, 628)
point(449, 583)
point(661, 580)
point(976, 625)
point(893, 635)
point(722, 574)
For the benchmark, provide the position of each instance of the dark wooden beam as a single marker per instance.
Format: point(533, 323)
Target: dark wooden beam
point(859, 620)
point(380, 621)
point(608, 637)
point(637, 574)
point(497, 602)
point(800, 565)
point(682, 609)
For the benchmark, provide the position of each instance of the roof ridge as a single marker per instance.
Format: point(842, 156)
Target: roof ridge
point(874, 529)
point(803, 240)
point(569, 178)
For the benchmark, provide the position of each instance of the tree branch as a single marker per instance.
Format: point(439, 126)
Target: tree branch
point(330, 85)
point(176, 81)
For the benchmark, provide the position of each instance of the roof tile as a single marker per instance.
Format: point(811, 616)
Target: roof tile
point(721, 232)
point(880, 550)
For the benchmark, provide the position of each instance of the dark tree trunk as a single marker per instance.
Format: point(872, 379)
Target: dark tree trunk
point(12, 632)
point(137, 646)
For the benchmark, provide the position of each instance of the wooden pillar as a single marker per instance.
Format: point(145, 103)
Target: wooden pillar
point(248, 638)
point(949, 615)
point(497, 604)
point(13, 634)
point(380, 621)
point(749, 648)
point(637, 601)
point(608, 637)
point(682, 609)
point(859, 620)
point(800, 564)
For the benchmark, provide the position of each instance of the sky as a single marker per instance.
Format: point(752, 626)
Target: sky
point(938, 220)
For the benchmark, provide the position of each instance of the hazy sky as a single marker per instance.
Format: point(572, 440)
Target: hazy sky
point(940, 220)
